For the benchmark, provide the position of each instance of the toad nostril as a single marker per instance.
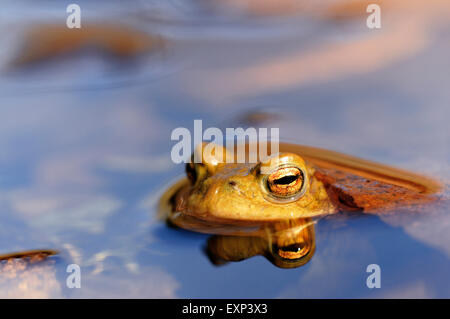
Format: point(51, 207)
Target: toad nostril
point(232, 183)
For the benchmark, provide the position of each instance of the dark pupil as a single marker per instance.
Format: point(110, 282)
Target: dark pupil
point(191, 172)
point(285, 180)
point(293, 248)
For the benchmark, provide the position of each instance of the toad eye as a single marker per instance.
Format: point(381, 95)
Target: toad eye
point(292, 252)
point(285, 183)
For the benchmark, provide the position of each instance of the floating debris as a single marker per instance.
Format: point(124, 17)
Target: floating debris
point(33, 256)
point(46, 42)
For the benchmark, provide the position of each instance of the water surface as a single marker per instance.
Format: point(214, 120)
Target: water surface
point(85, 145)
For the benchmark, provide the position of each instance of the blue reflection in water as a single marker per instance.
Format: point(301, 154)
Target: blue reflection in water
point(82, 170)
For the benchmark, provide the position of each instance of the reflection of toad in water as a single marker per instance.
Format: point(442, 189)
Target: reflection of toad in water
point(287, 244)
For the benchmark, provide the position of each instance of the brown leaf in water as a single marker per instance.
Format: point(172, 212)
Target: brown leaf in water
point(45, 42)
point(345, 10)
point(328, 9)
point(32, 256)
point(352, 192)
